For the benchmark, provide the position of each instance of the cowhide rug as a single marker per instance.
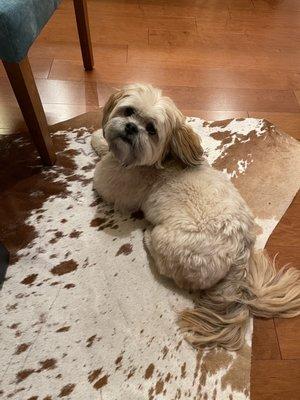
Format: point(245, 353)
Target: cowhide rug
point(83, 314)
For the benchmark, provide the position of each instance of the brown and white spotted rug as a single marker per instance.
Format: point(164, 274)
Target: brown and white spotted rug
point(83, 314)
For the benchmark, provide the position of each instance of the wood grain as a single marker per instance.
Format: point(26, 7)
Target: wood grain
point(291, 5)
point(217, 37)
point(56, 92)
point(275, 380)
point(61, 92)
point(71, 51)
point(285, 239)
point(288, 337)
point(233, 99)
point(192, 76)
point(12, 120)
point(265, 343)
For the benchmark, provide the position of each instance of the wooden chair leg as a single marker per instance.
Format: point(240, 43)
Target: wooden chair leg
point(83, 28)
point(23, 84)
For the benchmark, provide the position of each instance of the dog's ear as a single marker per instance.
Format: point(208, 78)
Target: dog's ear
point(185, 144)
point(110, 104)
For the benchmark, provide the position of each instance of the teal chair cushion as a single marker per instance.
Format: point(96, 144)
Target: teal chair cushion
point(20, 23)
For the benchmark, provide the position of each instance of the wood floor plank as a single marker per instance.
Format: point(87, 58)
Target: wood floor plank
point(207, 56)
point(278, 22)
point(233, 99)
point(220, 38)
point(294, 78)
point(237, 4)
point(297, 93)
point(70, 92)
point(290, 5)
point(11, 119)
point(288, 336)
point(275, 380)
point(192, 76)
point(114, 28)
point(289, 228)
point(285, 239)
point(265, 343)
point(6, 93)
point(56, 92)
point(104, 91)
point(61, 112)
point(171, 9)
point(71, 51)
point(204, 4)
point(59, 92)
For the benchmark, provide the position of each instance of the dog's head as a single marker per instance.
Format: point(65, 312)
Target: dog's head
point(142, 127)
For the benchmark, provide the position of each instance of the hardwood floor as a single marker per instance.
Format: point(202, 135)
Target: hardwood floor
point(217, 59)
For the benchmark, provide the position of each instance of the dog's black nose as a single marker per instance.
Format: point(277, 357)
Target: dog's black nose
point(131, 128)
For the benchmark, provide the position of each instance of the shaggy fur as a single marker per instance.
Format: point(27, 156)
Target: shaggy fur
point(202, 230)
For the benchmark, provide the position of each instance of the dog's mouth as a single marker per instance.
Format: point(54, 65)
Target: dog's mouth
point(126, 139)
point(121, 137)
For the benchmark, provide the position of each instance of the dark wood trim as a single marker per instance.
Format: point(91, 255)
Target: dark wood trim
point(83, 28)
point(24, 87)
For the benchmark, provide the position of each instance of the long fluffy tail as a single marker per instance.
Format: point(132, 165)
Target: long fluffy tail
point(222, 316)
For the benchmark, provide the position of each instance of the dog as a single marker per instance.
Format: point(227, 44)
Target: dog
point(202, 231)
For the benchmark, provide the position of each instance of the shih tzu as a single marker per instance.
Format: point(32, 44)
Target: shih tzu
point(201, 233)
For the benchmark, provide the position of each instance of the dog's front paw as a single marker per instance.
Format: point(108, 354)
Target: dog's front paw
point(99, 143)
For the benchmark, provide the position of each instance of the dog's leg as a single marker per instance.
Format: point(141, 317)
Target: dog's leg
point(155, 239)
point(180, 258)
point(99, 143)
point(163, 264)
point(156, 257)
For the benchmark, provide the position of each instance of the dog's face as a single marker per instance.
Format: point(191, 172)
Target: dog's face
point(141, 127)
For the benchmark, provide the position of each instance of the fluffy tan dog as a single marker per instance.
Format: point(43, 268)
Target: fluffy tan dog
point(202, 230)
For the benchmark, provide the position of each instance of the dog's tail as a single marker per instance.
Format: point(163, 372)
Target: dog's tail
point(223, 313)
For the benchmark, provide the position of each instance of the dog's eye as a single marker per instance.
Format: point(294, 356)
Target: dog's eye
point(150, 128)
point(128, 111)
